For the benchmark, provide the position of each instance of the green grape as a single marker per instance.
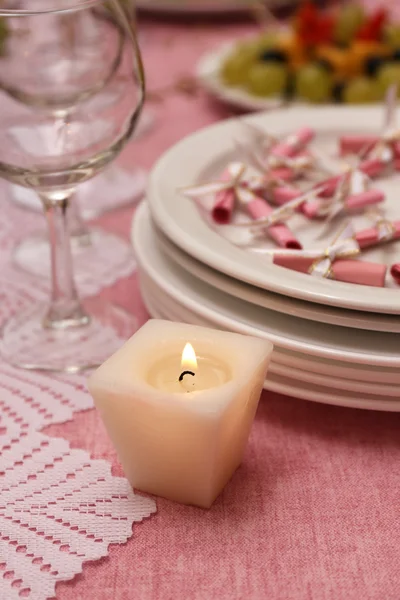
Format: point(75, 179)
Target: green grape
point(314, 83)
point(392, 36)
point(389, 74)
point(361, 90)
point(267, 79)
point(264, 42)
point(236, 67)
point(349, 20)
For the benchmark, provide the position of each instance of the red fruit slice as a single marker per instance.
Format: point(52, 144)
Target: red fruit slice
point(372, 29)
point(313, 27)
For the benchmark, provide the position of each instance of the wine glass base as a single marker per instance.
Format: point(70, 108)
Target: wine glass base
point(27, 344)
point(100, 258)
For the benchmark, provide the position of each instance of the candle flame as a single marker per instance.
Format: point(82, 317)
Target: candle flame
point(189, 360)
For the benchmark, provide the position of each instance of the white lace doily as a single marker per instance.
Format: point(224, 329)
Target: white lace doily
point(58, 509)
point(18, 291)
point(30, 400)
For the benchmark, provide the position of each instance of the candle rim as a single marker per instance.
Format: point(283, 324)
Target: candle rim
point(256, 350)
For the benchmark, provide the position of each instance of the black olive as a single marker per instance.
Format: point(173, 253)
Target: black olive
point(372, 65)
point(274, 55)
point(325, 64)
point(337, 91)
point(290, 88)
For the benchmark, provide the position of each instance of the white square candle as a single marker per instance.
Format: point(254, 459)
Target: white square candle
point(180, 428)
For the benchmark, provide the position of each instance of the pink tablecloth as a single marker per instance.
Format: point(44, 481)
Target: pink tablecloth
point(313, 513)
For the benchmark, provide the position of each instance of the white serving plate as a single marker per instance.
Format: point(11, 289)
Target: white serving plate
point(315, 393)
point(201, 157)
point(283, 304)
point(318, 365)
point(171, 310)
point(287, 359)
point(339, 369)
point(290, 333)
point(284, 384)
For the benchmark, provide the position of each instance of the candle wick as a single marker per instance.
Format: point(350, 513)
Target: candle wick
point(181, 376)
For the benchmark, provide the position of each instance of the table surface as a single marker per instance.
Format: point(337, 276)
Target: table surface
point(313, 512)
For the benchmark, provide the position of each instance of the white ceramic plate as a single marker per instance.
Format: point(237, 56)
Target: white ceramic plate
point(284, 384)
point(203, 7)
point(156, 301)
point(290, 359)
point(339, 343)
point(284, 304)
point(339, 369)
point(315, 393)
point(282, 358)
point(201, 156)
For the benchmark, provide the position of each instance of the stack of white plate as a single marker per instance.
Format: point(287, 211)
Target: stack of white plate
point(333, 342)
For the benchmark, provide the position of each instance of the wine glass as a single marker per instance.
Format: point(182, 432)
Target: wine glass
point(111, 189)
point(61, 59)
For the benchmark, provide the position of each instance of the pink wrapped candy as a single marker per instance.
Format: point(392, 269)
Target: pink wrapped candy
point(283, 194)
point(373, 167)
point(335, 261)
point(371, 236)
point(224, 205)
point(294, 142)
point(370, 167)
point(258, 208)
point(235, 191)
point(226, 192)
point(223, 208)
point(346, 270)
point(354, 144)
point(395, 272)
point(315, 208)
point(282, 173)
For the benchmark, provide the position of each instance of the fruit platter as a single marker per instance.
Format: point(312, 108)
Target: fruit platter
point(341, 55)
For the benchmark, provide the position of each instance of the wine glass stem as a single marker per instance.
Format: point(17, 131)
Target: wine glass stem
point(65, 310)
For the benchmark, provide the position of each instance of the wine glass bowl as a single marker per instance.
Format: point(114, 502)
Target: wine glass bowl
point(82, 121)
point(53, 75)
point(48, 152)
point(72, 90)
